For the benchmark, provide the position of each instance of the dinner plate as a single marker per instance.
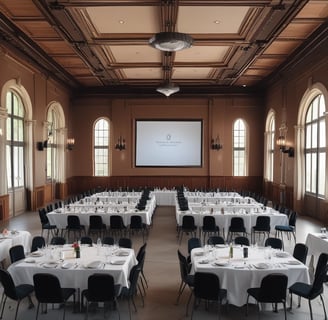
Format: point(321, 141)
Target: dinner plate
point(199, 254)
point(261, 265)
point(282, 254)
point(67, 265)
point(117, 262)
point(30, 260)
point(36, 254)
point(93, 265)
point(221, 263)
point(122, 253)
point(220, 246)
point(203, 261)
point(293, 262)
point(50, 264)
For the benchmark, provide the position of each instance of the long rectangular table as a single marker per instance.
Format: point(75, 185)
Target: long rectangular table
point(73, 272)
point(238, 274)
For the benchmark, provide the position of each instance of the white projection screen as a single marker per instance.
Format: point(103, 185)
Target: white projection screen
point(168, 143)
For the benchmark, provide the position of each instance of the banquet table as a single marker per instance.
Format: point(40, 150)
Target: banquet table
point(13, 238)
point(238, 274)
point(317, 243)
point(72, 272)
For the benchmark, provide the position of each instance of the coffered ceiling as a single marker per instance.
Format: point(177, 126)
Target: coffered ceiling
point(102, 46)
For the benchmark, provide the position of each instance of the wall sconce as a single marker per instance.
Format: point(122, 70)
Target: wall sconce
point(120, 145)
point(215, 144)
point(281, 143)
point(70, 143)
point(41, 145)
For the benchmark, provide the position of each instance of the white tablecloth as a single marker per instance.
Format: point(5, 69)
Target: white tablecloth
point(6, 242)
point(77, 275)
point(237, 276)
point(317, 243)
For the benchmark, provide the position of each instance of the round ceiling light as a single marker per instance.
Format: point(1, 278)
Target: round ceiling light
point(171, 41)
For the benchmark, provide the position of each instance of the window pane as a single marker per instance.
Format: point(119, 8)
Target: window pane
point(239, 153)
point(9, 170)
point(322, 175)
point(101, 144)
point(308, 172)
point(322, 134)
point(313, 172)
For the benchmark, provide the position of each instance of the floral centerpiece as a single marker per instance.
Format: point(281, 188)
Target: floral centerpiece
point(77, 249)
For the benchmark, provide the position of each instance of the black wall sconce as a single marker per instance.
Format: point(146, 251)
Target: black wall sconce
point(120, 145)
point(41, 145)
point(215, 144)
point(281, 142)
point(70, 143)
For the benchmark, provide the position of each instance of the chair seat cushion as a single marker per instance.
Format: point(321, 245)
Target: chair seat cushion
point(285, 228)
point(24, 289)
point(302, 289)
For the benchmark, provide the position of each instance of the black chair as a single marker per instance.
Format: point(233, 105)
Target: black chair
point(290, 229)
point(236, 227)
point(312, 291)
point(74, 225)
point(262, 226)
point(101, 288)
point(45, 224)
point(130, 292)
point(207, 287)
point(274, 243)
point(116, 225)
point(209, 227)
point(86, 240)
point(48, 290)
point(16, 253)
point(141, 256)
point(58, 241)
point(213, 240)
point(136, 226)
point(38, 242)
point(108, 241)
point(17, 293)
point(243, 241)
point(300, 252)
point(125, 243)
point(186, 278)
point(272, 290)
point(188, 226)
point(96, 226)
point(193, 243)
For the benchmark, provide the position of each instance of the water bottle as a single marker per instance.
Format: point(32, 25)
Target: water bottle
point(231, 251)
point(98, 246)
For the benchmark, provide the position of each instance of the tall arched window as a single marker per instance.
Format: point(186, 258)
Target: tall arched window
point(15, 141)
point(315, 147)
point(52, 154)
point(239, 148)
point(101, 147)
point(270, 144)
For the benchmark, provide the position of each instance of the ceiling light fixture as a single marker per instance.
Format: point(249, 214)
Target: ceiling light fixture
point(171, 41)
point(168, 89)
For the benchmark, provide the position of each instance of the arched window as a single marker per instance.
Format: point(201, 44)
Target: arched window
point(315, 147)
point(15, 141)
point(52, 154)
point(269, 147)
point(101, 147)
point(239, 148)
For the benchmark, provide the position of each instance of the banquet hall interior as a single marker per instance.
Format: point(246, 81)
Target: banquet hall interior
point(224, 101)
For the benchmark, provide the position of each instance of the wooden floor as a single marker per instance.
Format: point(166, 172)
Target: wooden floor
point(162, 272)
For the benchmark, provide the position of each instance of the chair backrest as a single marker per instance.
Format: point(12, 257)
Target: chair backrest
point(116, 222)
point(38, 242)
point(95, 222)
point(8, 284)
point(125, 243)
point(183, 263)
point(237, 222)
point(141, 251)
point(320, 275)
point(58, 241)
point(108, 240)
point(242, 240)
point(263, 223)
point(213, 240)
point(300, 252)
point(193, 243)
point(209, 223)
point(188, 222)
point(133, 279)
point(47, 288)
point(274, 243)
point(16, 253)
point(136, 222)
point(207, 286)
point(292, 219)
point(273, 288)
point(43, 216)
point(86, 240)
point(101, 287)
point(73, 222)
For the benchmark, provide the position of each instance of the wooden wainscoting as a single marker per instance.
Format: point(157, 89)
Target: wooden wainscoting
point(4, 207)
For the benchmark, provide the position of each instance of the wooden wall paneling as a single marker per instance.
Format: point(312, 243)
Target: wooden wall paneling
point(4, 207)
point(39, 197)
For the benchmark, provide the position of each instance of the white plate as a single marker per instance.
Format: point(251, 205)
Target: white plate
point(293, 262)
point(117, 262)
point(221, 263)
point(36, 254)
point(199, 254)
point(93, 265)
point(30, 260)
point(203, 261)
point(282, 254)
point(67, 265)
point(261, 265)
point(122, 253)
point(50, 265)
